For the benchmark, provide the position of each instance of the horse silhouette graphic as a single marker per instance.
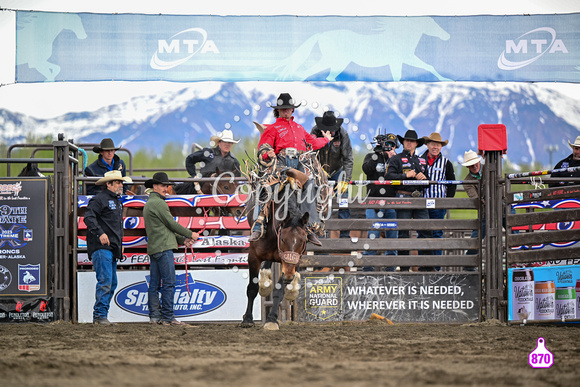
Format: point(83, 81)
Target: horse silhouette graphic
point(42, 29)
point(28, 278)
point(393, 44)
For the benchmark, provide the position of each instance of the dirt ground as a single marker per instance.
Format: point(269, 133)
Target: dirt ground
point(332, 354)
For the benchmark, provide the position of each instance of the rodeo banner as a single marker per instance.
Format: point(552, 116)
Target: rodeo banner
point(400, 298)
point(23, 251)
point(101, 47)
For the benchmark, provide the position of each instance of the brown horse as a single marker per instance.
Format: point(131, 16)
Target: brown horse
point(284, 241)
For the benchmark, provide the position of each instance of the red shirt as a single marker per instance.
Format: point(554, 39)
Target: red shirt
point(288, 134)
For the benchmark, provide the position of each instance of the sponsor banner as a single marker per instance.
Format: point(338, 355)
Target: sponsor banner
point(204, 295)
point(215, 258)
point(16, 310)
point(563, 277)
point(221, 200)
point(80, 47)
point(208, 242)
point(400, 298)
point(195, 223)
point(23, 237)
point(548, 204)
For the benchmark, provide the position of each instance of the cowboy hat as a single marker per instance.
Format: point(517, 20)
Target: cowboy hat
point(435, 137)
point(411, 135)
point(285, 101)
point(158, 178)
point(470, 158)
point(225, 136)
point(106, 144)
point(112, 176)
point(576, 143)
point(328, 122)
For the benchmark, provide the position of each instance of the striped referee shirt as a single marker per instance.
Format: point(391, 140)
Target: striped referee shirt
point(441, 169)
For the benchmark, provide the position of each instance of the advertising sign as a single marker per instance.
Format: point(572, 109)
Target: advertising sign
point(52, 47)
point(400, 298)
point(200, 295)
point(544, 293)
point(23, 237)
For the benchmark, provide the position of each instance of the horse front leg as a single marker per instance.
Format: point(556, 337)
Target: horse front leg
point(251, 292)
point(272, 319)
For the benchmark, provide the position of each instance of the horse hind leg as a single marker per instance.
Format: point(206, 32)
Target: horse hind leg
point(251, 292)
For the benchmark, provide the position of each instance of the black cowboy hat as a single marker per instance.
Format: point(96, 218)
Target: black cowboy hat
point(106, 144)
point(158, 178)
point(285, 101)
point(411, 135)
point(328, 122)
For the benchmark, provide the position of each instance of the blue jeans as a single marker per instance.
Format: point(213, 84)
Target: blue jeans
point(436, 214)
point(383, 213)
point(343, 213)
point(413, 214)
point(162, 277)
point(106, 269)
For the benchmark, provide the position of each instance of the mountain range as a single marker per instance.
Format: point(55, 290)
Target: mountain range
point(535, 117)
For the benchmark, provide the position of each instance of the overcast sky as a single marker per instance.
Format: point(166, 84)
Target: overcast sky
point(29, 98)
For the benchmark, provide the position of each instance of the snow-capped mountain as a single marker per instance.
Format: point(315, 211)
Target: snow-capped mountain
point(534, 116)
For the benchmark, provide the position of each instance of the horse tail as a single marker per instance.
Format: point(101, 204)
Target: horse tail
point(290, 65)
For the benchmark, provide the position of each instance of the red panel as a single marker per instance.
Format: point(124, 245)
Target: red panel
point(492, 137)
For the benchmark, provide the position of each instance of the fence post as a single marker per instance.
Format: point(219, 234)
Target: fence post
point(65, 168)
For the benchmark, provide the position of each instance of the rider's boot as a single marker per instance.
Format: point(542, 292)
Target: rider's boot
point(313, 239)
point(257, 229)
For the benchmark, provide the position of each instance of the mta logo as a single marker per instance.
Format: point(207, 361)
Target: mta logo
point(181, 47)
point(530, 47)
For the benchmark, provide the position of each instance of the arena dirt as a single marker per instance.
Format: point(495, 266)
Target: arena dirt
point(370, 353)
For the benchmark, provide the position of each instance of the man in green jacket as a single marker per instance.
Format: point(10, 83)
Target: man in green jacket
point(163, 236)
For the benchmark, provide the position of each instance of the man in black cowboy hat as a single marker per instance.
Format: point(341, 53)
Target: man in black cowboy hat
point(163, 236)
point(105, 162)
point(285, 140)
point(408, 166)
point(335, 157)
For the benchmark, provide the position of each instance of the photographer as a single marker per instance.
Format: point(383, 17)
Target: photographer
point(375, 167)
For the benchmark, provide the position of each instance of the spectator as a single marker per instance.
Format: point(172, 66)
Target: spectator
point(285, 140)
point(211, 160)
point(163, 236)
point(571, 161)
point(375, 167)
point(407, 165)
point(438, 168)
point(105, 162)
point(335, 157)
point(104, 220)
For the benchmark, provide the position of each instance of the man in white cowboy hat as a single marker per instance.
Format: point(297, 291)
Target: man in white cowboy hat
point(473, 163)
point(104, 220)
point(407, 165)
point(335, 157)
point(285, 140)
point(217, 158)
point(571, 161)
point(164, 235)
point(106, 161)
point(439, 168)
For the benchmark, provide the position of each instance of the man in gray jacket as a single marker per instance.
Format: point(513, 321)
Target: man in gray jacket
point(163, 236)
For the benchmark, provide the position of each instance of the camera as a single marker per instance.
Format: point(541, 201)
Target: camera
point(385, 143)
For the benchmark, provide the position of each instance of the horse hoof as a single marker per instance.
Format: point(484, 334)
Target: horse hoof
point(272, 326)
point(245, 324)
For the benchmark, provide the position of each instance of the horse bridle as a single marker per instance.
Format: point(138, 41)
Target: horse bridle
point(290, 257)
